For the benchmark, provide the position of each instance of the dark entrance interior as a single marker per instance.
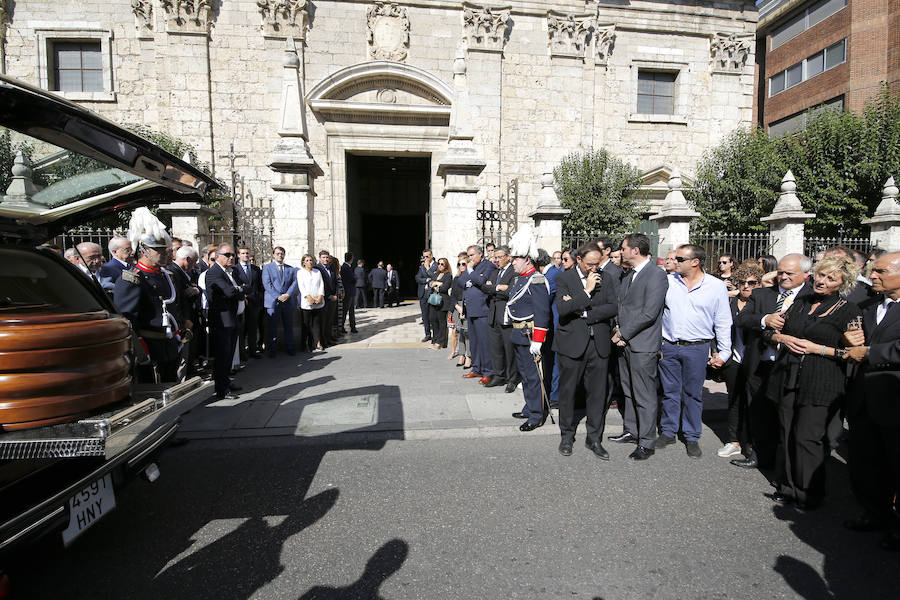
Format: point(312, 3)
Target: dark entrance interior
point(387, 212)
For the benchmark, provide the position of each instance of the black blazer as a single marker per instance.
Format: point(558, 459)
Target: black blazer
point(874, 389)
point(498, 298)
point(223, 298)
point(572, 336)
point(612, 274)
point(329, 280)
point(348, 278)
point(252, 282)
point(761, 303)
point(186, 305)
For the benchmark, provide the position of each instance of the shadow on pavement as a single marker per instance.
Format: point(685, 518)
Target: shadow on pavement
point(384, 563)
point(370, 330)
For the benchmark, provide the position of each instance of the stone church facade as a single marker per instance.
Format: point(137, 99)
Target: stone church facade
point(317, 97)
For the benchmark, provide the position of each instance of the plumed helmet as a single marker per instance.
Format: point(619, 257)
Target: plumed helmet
point(146, 230)
point(522, 243)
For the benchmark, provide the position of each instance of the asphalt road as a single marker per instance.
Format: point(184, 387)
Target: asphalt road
point(457, 518)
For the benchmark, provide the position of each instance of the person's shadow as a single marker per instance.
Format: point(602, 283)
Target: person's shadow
point(384, 563)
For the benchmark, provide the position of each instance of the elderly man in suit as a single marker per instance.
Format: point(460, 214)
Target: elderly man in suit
point(612, 274)
point(764, 310)
point(250, 276)
point(122, 257)
point(427, 271)
point(480, 272)
point(187, 302)
point(349, 279)
point(586, 303)
point(226, 299)
point(873, 408)
point(642, 298)
point(392, 286)
point(503, 357)
point(378, 281)
point(280, 300)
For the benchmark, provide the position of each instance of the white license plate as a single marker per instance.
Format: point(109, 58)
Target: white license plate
point(87, 506)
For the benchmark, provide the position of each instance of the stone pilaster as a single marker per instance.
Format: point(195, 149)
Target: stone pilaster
point(485, 28)
point(293, 165)
point(674, 218)
point(787, 220)
point(548, 216)
point(885, 223)
point(284, 18)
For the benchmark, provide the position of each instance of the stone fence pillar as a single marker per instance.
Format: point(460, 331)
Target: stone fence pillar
point(885, 223)
point(190, 221)
point(674, 218)
point(548, 216)
point(787, 220)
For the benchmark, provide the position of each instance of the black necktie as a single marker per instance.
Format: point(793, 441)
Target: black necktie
point(779, 304)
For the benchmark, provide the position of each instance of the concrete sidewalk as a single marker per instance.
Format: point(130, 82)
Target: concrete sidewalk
point(382, 383)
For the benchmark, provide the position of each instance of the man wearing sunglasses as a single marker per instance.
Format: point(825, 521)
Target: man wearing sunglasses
point(226, 302)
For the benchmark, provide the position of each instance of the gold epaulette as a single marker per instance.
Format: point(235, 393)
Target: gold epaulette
point(131, 277)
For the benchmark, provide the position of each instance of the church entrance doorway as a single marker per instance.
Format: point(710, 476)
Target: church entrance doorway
point(388, 203)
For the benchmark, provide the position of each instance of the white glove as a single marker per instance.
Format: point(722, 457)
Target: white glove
point(535, 348)
point(469, 284)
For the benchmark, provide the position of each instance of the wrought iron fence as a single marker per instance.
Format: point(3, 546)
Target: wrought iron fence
point(814, 245)
point(250, 234)
point(499, 219)
point(573, 239)
point(100, 236)
point(740, 246)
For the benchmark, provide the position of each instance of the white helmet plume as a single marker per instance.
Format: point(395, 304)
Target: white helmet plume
point(522, 243)
point(145, 229)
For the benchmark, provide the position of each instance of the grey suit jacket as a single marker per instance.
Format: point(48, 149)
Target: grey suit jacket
point(641, 302)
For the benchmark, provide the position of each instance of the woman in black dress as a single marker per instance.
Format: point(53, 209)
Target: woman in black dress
point(809, 379)
point(437, 313)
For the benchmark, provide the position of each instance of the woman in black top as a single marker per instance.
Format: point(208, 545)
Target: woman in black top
point(437, 313)
point(809, 379)
point(460, 324)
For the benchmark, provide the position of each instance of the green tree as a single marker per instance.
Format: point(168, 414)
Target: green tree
point(600, 190)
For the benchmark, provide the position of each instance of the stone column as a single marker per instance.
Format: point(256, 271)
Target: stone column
point(548, 216)
point(674, 218)
point(787, 220)
point(293, 165)
point(885, 223)
point(190, 221)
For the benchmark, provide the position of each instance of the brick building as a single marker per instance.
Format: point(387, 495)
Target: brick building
point(834, 53)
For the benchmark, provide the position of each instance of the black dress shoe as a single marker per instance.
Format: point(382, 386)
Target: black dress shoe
point(427, 338)
point(510, 388)
point(598, 449)
point(494, 382)
point(519, 415)
point(529, 426)
point(641, 453)
point(864, 523)
point(623, 438)
point(227, 396)
point(354, 331)
point(565, 447)
point(751, 462)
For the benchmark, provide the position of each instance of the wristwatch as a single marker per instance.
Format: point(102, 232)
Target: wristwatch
point(840, 352)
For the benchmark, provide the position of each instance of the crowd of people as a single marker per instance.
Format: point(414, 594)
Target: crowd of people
point(802, 346)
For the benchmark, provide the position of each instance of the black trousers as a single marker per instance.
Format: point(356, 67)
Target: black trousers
point(378, 297)
point(423, 308)
point(800, 461)
point(349, 309)
point(438, 322)
point(329, 321)
point(762, 416)
point(503, 357)
point(222, 342)
point(875, 467)
point(310, 329)
point(250, 339)
point(589, 370)
point(736, 384)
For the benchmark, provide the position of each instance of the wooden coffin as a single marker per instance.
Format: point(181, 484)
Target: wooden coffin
point(57, 367)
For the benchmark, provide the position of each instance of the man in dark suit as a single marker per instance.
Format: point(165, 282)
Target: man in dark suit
point(378, 281)
point(361, 283)
point(207, 257)
point(764, 310)
point(250, 277)
point(349, 280)
point(187, 297)
point(481, 271)
point(503, 358)
point(329, 313)
point(122, 257)
point(873, 408)
point(642, 298)
point(586, 303)
point(427, 271)
point(547, 265)
point(224, 295)
point(612, 274)
point(392, 286)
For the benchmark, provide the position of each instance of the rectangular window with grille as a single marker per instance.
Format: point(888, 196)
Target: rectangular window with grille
point(656, 92)
point(76, 66)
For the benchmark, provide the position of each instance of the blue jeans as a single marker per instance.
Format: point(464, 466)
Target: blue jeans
point(682, 371)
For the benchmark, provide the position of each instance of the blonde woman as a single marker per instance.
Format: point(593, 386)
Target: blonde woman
point(312, 301)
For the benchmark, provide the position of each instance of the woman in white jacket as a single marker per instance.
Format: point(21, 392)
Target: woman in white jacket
point(311, 290)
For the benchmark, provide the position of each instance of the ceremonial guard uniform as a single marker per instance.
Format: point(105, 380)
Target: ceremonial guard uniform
point(528, 311)
point(144, 296)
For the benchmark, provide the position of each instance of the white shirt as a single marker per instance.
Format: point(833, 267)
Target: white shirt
point(882, 309)
point(309, 283)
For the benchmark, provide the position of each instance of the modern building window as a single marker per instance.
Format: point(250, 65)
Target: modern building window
point(798, 121)
point(799, 23)
point(656, 92)
point(76, 67)
point(818, 63)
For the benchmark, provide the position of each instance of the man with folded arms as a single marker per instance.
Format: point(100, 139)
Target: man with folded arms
point(696, 311)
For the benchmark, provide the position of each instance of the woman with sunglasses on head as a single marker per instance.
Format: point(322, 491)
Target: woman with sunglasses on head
point(746, 278)
point(460, 339)
point(437, 313)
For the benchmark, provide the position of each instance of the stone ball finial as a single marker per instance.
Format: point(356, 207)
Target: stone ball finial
point(675, 180)
point(788, 182)
point(890, 189)
point(21, 165)
point(547, 180)
point(290, 53)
